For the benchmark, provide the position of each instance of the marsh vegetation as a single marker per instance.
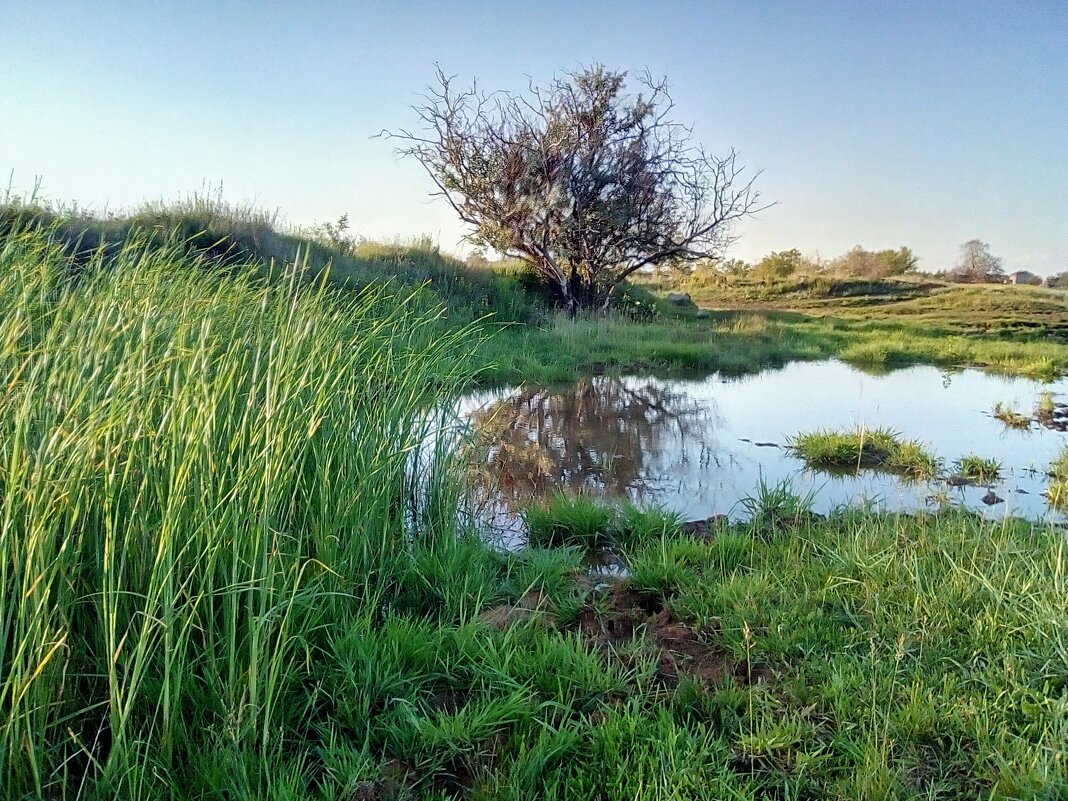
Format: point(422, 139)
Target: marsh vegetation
point(978, 468)
point(894, 440)
point(224, 574)
point(878, 448)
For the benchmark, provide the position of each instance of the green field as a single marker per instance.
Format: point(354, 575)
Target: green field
point(222, 578)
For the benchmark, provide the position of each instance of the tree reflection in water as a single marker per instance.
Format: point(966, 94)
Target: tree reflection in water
point(600, 436)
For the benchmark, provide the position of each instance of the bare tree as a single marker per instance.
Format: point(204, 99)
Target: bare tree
point(582, 180)
point(977, 265)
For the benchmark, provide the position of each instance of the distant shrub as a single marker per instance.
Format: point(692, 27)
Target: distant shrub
point(778, 266)
point(635, 302)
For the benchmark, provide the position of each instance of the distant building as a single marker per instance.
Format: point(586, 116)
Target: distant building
point(1024, 277)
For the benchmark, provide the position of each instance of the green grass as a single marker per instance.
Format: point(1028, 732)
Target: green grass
point(222, 579)
point(590, 523)
point(1010, 417)
point(1058, 485)
point(876, 448)
point(990, 309)
point(895, 659)
point(876, 325)
point(874, 657)
point(858, 657)
point(203, 479)
point(741, 342)
point(978, 468)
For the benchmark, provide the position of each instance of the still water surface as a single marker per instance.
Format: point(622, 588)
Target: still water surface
point(698, 446)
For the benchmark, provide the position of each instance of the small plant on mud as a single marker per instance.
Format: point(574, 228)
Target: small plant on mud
point(878, 449)
point(1057, 492)
point(777, 506)
point(1045, 407)
point(978, 468)
point(1010, 417)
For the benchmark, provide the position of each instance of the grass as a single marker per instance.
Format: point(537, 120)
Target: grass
point(589, 523)
point(1045, 407)
point(229, 572)
point(773, 507)
point(978, 468)
point(204, 480)
point(1010, 417)
point(1012, 330)
point(1057, 492)
point(741, 342)
point(990, 309)
point(860, 656)
point(877, 448)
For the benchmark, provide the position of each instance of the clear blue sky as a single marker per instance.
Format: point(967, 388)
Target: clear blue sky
point(922, 124)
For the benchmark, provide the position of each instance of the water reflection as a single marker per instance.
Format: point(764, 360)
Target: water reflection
point(700, 446)
point(602, 436)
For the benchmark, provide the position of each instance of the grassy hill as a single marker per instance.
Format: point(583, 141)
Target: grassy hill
point(875, 324)
point(966, 308)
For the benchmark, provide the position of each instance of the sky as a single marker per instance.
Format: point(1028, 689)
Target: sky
point(922, 124)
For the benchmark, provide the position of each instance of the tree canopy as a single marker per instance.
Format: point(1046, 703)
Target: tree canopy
point(976, 264)
point(583, 180)
point(861, 263)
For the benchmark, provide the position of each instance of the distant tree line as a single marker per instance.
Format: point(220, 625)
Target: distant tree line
point(975, 264)
point(785, 264)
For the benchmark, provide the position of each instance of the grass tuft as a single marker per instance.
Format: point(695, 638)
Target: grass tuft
point(1057, 492)
point(978, 468)
point(1010, 417)
point(878, 449)
point(1045, 407)
point(590, 523)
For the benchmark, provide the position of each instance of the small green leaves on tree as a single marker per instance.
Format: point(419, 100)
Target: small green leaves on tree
point(861, 263)
point(778, 266)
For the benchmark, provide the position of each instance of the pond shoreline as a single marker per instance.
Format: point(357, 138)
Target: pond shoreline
point(701, 446)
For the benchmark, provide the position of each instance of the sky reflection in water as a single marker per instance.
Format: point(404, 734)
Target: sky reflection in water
point(698, 446)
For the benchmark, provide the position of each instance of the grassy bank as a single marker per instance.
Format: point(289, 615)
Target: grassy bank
point(220, 577)
point(739, 342)
point(876, 325)
point(857, 657)
point(998, 309)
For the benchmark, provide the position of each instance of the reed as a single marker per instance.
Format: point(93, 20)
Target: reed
point(200, 478)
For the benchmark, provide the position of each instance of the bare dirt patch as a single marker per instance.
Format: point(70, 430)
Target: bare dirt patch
point(622, 613)
point(532, 606)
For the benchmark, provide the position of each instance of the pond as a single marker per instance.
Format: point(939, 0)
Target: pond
point(700, 446)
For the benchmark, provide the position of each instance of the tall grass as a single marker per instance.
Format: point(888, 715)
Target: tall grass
point(201, 479)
